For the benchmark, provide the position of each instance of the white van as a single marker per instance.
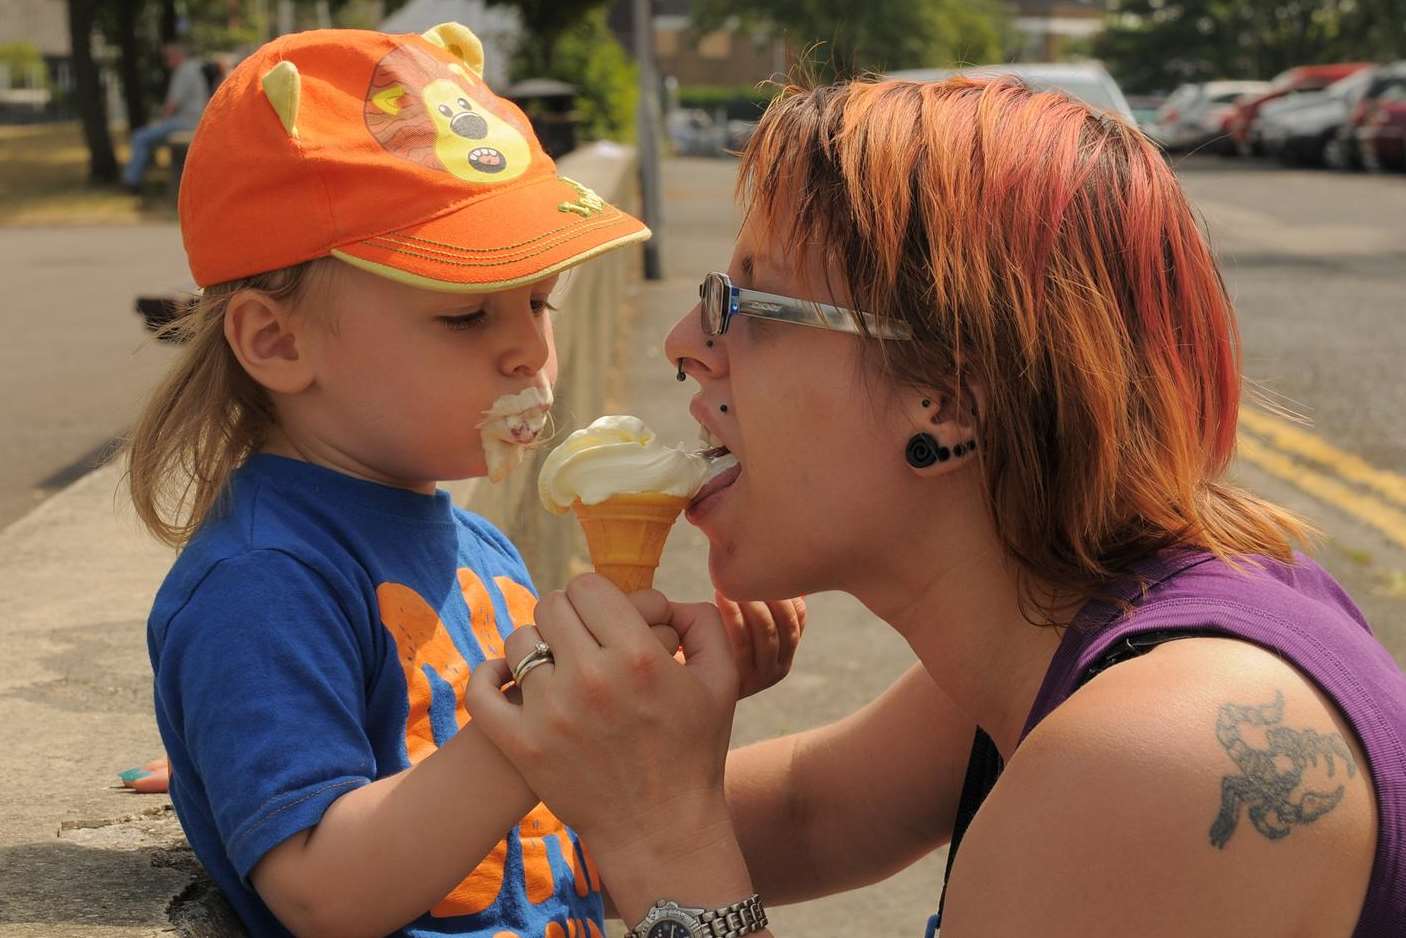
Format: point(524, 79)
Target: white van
point(1087, 81)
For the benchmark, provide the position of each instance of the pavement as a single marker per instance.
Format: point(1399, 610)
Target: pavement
point(80, 857)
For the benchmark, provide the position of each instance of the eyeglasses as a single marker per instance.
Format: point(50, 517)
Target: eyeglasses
point(721, 301)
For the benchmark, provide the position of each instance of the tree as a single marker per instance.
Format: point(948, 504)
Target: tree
point(132, 59)
point(1156, 44)
point(88, 87)
point(570, 41)
point(546, 22)
point(876, 35)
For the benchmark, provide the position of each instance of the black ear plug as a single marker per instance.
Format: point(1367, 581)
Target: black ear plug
point(923, 451)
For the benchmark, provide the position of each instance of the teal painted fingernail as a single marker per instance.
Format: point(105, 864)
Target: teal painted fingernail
point(131, 775)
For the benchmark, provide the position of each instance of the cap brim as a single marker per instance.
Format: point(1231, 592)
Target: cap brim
point(505, 240)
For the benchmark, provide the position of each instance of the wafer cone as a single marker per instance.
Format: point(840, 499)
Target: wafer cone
point(626, 536)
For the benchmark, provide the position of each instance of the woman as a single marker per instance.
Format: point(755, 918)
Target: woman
point(1025, 428)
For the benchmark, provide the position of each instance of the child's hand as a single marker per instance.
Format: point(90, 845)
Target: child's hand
point(150, 779)
point(764, 639)
point(764, 635)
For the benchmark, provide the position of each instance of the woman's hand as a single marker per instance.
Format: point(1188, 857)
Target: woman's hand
point(764, 639)
point(622, 741)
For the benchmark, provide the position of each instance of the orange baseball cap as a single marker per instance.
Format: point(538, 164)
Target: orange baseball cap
point(390, 153)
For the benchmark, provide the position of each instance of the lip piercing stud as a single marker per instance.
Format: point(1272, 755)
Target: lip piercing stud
point(709, 343)
point(681, 376)
point(723, 408)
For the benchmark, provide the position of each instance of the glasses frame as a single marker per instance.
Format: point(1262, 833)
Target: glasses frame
point(740, 301)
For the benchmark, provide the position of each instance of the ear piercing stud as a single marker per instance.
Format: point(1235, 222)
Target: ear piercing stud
point(923, 450)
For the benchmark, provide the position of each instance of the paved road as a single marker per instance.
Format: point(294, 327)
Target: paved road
point(1316, 262)
point(76, 361)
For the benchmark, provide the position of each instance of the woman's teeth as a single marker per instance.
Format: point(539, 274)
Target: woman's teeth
point(713, 448)
point(719, 464)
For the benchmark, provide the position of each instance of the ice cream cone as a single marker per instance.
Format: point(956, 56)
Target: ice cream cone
point(626, 535)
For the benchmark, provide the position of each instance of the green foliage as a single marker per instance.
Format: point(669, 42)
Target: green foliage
point(739, 102)
point(1157, 44)
point(586, 55)
point(547, 23)
point(25, 64)
point(875, 35)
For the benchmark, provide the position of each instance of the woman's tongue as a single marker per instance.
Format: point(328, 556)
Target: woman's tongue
point(724, 472)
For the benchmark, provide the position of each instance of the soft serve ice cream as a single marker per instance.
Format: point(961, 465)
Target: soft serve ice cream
point(627, 489)
point(511, 425)
point(617, 455)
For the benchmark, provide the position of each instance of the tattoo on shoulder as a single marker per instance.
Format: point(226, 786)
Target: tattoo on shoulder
point(1270, 782)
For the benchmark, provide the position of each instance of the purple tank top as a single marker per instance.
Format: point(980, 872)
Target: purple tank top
point(1301, 614)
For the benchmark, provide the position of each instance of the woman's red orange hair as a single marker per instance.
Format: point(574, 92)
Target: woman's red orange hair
point(1045, 253)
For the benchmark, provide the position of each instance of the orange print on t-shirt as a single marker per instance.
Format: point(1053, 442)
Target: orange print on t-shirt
point(424, 643)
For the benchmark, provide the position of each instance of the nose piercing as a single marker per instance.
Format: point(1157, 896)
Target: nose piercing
point(681, 376)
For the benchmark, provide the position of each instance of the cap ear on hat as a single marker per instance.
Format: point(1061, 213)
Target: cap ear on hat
point(460, 42)
point(283, 87)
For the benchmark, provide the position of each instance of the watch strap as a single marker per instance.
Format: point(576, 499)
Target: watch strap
point(736, 920)
point(729, 921)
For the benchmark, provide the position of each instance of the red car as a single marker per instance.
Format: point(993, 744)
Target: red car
point(1244, 120)
point(1381, 130)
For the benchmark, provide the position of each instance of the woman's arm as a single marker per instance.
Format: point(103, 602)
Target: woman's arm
point(851, 803)
point(385, 853)
point(1155, 802)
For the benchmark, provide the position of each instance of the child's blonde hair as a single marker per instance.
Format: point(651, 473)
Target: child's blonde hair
point(207, 416)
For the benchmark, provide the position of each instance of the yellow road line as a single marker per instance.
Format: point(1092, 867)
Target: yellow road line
point(1364, 508)
point(1301, 442)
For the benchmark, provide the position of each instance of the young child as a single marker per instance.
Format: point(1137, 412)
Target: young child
point(376, 235)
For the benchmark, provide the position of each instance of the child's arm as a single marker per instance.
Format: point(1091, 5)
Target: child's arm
point(386, 852)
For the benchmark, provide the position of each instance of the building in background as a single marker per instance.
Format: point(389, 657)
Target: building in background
point(42, 25)
point(728, 56)
point(498, 28)
point(1055, 30)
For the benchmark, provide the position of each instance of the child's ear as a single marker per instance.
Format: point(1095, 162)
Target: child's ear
point(269, 341)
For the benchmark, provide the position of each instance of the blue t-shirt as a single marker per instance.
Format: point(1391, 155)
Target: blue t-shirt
point(317, 634)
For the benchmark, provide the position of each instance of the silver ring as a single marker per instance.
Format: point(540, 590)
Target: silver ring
point(540, 654)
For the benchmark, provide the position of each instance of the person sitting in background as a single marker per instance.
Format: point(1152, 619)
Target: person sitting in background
point(186, 96)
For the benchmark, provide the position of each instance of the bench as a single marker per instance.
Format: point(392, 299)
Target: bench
point(178, 145)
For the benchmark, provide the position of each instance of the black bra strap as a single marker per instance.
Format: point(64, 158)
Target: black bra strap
point(983, 768)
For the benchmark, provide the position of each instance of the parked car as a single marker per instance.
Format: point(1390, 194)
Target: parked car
point(1244, 120)
point(1298, 128)
point(1194, 115)
point(1087, 81)
point(1382, 134)
point(694, 132)
point(1343, 150)
point(1145, 107)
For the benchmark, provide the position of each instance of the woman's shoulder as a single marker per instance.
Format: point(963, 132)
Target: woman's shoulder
point(1206, 787)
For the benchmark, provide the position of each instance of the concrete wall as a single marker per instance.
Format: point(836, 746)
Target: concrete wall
point(588, 325)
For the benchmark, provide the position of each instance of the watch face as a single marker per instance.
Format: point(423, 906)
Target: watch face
point(669, 930)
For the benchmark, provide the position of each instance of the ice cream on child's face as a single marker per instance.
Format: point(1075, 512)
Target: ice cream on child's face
point(511, 425)
point(617, 455)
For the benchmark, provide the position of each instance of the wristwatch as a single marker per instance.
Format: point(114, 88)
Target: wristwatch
point(667, 919)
